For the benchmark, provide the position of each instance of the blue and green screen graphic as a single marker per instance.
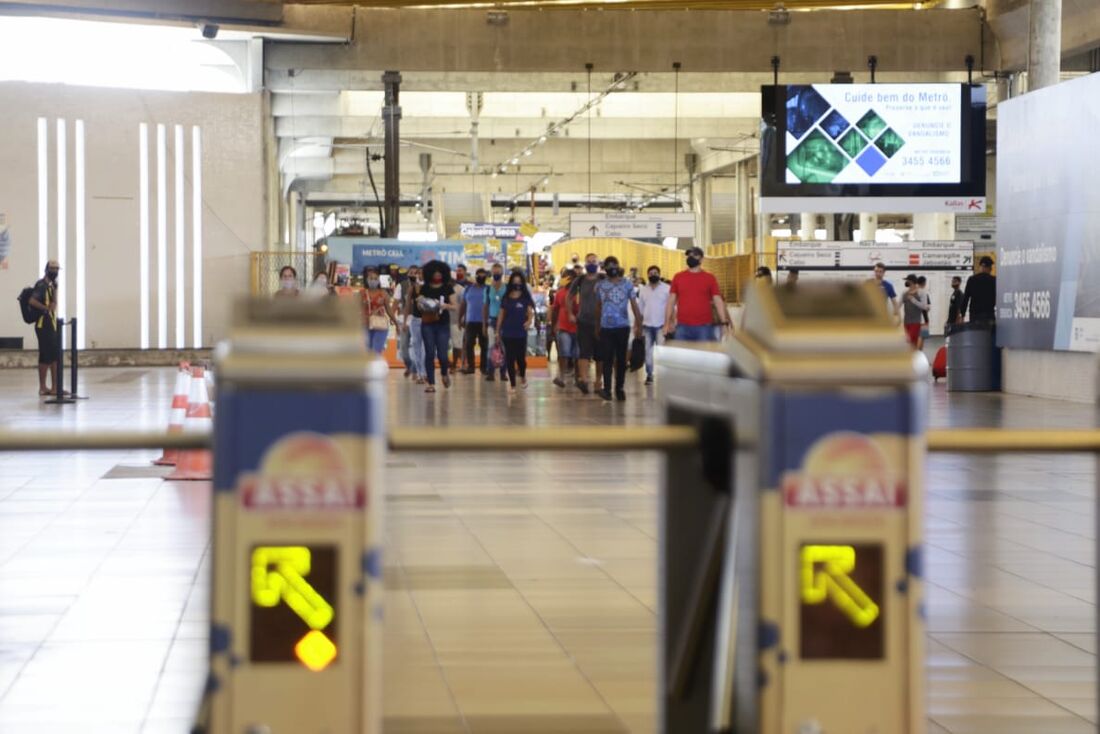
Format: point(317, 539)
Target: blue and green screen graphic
point(873, 133)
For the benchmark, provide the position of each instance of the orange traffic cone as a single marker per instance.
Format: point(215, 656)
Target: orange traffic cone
point(196, 464)
point(179, 411)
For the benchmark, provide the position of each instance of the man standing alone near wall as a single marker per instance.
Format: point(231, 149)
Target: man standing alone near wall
point(44, 300)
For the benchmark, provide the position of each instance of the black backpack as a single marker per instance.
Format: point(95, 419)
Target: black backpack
point(30, 313)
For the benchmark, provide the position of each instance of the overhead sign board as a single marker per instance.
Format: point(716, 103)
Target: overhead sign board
point(510, 231)
point(924, 255)
point(631, 225)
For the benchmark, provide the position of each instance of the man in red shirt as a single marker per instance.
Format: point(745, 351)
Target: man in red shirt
point(692, 301)
point(564, 327)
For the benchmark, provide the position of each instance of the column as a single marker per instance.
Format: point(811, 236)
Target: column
point(744, 196)
point(933, 227)
point(806, 225)
point(868, 225)
point(1045, 43)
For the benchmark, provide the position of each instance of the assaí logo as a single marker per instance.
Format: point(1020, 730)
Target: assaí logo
point(844, 470)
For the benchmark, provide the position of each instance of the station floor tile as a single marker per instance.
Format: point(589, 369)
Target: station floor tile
point(520, 589)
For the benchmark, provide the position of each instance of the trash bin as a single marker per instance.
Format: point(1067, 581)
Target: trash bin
point(973, 359)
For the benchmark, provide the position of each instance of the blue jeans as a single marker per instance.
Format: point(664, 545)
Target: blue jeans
point(376, 340)
point(437, 343)
point(695, 333)
point(567, 345)
point(416, 347)
point(653, 336)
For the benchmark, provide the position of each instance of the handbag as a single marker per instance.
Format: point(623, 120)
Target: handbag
point(376, 320)
point(637, 353)
point(496, 355)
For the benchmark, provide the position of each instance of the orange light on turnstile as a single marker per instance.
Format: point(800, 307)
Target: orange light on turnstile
point(315, 650)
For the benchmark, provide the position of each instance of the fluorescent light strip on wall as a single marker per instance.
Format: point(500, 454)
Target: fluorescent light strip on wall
point(62, 213)
point(143, 229)
point(162, 240)
point(196, 237)
point(81, 279)
point(178, 219)
point(43, 194)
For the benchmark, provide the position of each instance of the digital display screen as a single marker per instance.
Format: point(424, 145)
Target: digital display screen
point(903, 140)
point(841, 602)
point(873, 133)
point(293, 594)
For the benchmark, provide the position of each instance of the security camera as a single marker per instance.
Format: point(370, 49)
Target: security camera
point(209, 31)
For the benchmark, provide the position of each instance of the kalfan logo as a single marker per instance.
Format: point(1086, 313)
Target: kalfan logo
point(327, 493)
point(842, 492)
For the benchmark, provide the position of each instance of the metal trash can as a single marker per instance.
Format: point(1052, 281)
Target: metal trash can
point(973, 359)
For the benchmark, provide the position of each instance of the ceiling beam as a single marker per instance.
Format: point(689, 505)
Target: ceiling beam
point(621, 40)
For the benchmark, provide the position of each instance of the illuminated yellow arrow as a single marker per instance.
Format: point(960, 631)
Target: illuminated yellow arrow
point(832, 580)
point(278, 575)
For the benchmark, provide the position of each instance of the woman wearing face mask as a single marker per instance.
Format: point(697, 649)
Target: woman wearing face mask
point(319, 288)
point(288, 283)
point(412, 324)
point(516, 311)
point(434, 304)
point(377, 312)
point(615, 299)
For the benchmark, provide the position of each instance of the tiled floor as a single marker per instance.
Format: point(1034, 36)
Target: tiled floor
point(521, 589)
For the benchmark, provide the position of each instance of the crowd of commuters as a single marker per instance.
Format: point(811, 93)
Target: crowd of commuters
point(914, 305)
point(594, 310)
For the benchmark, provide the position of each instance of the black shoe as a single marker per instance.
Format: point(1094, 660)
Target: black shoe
point(583, 387)
point(559, 382)
point(620, 395)
point(605, 395)
point(649, 380)
point(490, 377)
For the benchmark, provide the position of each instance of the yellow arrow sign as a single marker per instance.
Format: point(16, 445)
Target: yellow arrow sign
point(278, 575)
point(825, 570)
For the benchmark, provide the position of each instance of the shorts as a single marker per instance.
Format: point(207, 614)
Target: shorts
point(568, 345)
point(912, 333)
point(587, 344)
point(47, 342)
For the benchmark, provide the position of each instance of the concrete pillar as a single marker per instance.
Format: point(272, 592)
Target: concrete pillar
point(742, 221)
point(868, 225)
point(933, 226)
point(703, 201)
point(1045, 44)
point(806, 225)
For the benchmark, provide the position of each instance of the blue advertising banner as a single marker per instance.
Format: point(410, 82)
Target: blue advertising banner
point(1048, 218)
point(362, 251)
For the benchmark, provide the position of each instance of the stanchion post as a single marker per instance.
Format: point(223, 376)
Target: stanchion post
point(73, 367)
point(59, 397)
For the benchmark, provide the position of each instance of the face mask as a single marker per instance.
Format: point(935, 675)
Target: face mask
point(373, 282)
point(654, 279)
point(481, 280)
point(693, 262)
point(461, 277)
point(51, 274)
point(437, 278)
point(515, 286)
point(498, 276)
point(614, 271)
point(591, 268)
point(289, 284)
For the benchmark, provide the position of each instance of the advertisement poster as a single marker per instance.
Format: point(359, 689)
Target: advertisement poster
point(1048, 219)
point(5, 242)
point(493, 253)
point(517, 255)
point(874, 133)
point(474, 255)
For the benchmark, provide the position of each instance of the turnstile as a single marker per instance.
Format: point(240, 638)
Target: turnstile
point(296, 592)
point(790, 594)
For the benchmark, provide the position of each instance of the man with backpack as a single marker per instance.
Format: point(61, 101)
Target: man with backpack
point(43, 301)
